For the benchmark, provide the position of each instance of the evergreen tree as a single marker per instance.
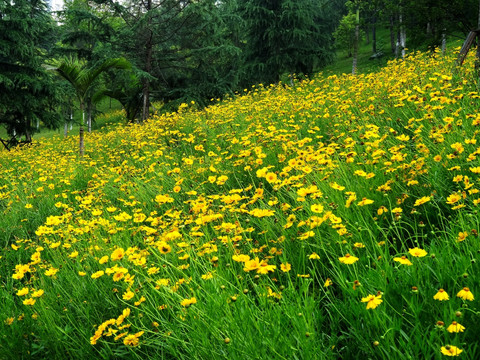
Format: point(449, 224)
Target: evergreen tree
point(27, 92)
point(86, 31)
point(207, 57)
point(286, 36)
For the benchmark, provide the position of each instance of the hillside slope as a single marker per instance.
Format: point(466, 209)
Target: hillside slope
point(329, 219)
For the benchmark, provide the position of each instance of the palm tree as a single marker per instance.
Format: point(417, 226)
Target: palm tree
point(83, 81)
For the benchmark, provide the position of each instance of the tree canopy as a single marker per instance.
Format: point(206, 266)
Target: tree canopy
point(27, 91)
point(186, 50)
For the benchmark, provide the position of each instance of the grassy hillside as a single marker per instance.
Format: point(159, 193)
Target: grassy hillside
point(107, 112)
point(337, 218)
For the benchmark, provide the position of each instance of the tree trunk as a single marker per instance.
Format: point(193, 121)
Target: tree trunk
point(89, 117)
point(65, 128)
point(355, 42)
point(28, 135)
point(392, 35)
point(403, 35)
point(81, 142)
point(148, 64)
point(374, 33)
point(397, 45)
point(444, 41)
point(28, 129)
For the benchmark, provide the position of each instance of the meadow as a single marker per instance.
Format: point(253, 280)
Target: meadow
point(333, 219)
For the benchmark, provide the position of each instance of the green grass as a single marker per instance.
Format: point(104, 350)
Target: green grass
point(343, 62)
point(104, 107)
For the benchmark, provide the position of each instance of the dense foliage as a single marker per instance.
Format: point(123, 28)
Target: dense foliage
point(27, 91)
point(184, 50)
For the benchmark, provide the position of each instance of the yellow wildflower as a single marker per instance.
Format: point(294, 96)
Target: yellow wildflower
point(450, 350)
point(417, 252)
point(372, 301)
point(465, 294)
point(441, 295)
point(422, 201)
point(403, 260)
point(455, 327)
point(348, 259)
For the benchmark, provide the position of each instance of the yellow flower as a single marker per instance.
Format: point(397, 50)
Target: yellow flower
point(453, 198)
point(188, 302)
point(455, 327)
point(336, 186)
point(265, 268)
point(241, 258)
point(422, 201)
point(285, 267)
point(403, 260)
point(22, 292)
point(222, 179)
point(29, 302)
point(417, 252)
point(465, 294)
point(372, 301)
point(316, 208)
point(164, 247)
point(351, 197)
point(450, 350)
point(132, 340)
point(441, 295)
point(51, 272)
point(207, 276)
point(142, 299)
point(314, 256)
point(127, 295)
point(162, 199)
point(328, 282)
point(117, 254)
point(271, 177)
point(97, 274)
point(382, 209)
point(38, 293)
point(117, 276)
point(364, 202)
point(348, 259)
point(261, 212)
point(462, 236)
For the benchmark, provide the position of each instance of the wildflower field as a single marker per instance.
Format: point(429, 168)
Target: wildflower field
point(336, 218)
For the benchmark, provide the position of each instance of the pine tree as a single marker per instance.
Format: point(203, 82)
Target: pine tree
point(286, 36)
point(27, 92)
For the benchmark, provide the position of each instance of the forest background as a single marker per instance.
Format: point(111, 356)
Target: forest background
point(169, 52)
